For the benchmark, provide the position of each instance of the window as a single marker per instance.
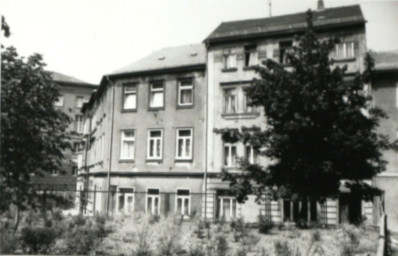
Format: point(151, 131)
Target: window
point(153, 201)
point(299, 210)
point(250, 55)
point(79, 123)
point(230, 101)
point(185, 93)
point(74, 170)
point(184, 144)
point(250, 155)
point(156, 99)
point(345, 50)
point(284, 48)
point(226, 205)
point(229, 155)
point(154, 149)
point(59, 102)
point(126, 200)
point(128, 141)
point(247, 108)
point(229, 58)
point(54, 172)
point(183, 202)
point(130, 97)
point(79, 101)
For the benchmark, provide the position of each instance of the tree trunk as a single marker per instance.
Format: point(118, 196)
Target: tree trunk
point(16, 224)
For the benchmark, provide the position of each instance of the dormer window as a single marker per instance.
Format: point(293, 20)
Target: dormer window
point(250, 55)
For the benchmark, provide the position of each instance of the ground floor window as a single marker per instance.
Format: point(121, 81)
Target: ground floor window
point(126, 200)
point(226, 205)
point(183, 202)
point(153, 201)
point(300, 210)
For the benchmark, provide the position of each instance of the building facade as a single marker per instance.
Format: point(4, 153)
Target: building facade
point(385, 96)
point(150, 140)
point(146, 136)
point(73, 94)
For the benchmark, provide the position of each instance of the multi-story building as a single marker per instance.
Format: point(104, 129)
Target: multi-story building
point(146, 136)
point(232, 49)
point(385, 96)
point(73, 93)
point(151, 144)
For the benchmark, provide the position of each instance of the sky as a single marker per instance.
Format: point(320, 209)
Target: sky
point(87, 39)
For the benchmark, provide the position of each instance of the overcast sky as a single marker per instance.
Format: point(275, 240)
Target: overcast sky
point(89, 38)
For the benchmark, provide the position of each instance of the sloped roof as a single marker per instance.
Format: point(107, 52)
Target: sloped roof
point(172, 57)
point(290, 22)
point(387, 60)
point(62, 78)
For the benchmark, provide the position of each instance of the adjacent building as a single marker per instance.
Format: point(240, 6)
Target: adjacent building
point(146, 136)
point(149, 133)
point(385, 96)
point(73, 94)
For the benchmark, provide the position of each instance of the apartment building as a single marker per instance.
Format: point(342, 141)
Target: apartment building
point(385, 96)
point(145, 136)
point(149, 129)
point(232, 49)
point(73, 94)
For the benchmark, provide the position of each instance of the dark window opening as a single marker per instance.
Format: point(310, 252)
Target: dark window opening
point(284, 48)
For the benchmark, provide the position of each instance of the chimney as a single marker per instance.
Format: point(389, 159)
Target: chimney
point(321, 5)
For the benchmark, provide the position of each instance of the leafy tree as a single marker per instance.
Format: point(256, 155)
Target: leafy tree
point(33, 133)
point(320, 127)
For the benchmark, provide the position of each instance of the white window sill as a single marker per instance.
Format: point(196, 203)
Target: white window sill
point(231, 116)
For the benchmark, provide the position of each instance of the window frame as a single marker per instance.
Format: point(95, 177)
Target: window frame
point(77, 101)
point(346, 50)
point(235, 89)
point(179, 89)
point(284, 47)
point(122, 139)
point(220, 203)
point(135, 84)
point(147, 195)
point(248, 49)
point(251, 154)
point(81, 124)
point(228, 53)
point(230, 146)
point(125, 195)
point(150, 90)
point(190, 157)
point(59, 102)
point(148, 158)
point(182, 205)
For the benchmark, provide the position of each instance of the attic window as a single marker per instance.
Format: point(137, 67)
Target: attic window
point(162, 58)
point(193, 54)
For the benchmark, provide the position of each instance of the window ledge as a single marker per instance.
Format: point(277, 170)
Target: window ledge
point(155, 109)
point(159, 161)
point(241, 115)
point(126, 161)
point(337, 60)
point(183, 160)
point(184, 106)
point(248, 68)
point(229, 69)
point(129, 110)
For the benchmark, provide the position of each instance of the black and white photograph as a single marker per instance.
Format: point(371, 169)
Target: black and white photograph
point(199, 127)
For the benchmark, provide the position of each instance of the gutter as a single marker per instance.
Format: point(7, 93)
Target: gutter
point(110, 146)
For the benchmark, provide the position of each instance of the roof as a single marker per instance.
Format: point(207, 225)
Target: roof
point(62, 78)
point(287, 23)
point(385, 61)
point(171, 57)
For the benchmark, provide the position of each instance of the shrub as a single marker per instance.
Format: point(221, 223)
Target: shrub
point(282, 249)
point(8, 242)
point(37, 239)
point(143, 247)
point(316, 236)
point(169, 239)
point(264, 224)
point(222, 246)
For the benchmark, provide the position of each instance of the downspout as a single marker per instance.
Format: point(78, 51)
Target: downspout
point(206, 129)
point(88, 138)
point(110, 147)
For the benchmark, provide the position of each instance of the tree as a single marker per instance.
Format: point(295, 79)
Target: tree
point(33, 133)
point(320, 127)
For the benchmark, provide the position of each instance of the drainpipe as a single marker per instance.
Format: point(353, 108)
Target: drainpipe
point(110, 147)
point(206, 129)
point(87, 146)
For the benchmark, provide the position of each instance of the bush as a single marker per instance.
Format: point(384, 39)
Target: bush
point(37, 239)
point(264, 225)
point(282, 249)
point(8, 242)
